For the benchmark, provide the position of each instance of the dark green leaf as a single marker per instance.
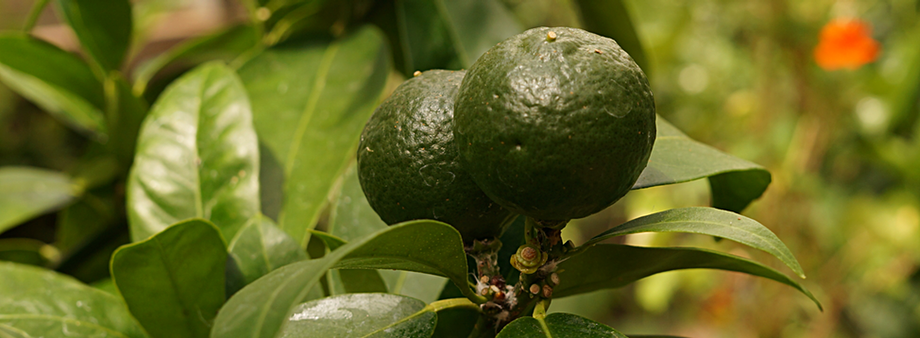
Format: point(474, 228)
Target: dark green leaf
point(420, 286)
point(197, 156)
point(259, 248)
point(260, 309)
point(362, 315)
point(430, 249)
point(905, 113)
point(330, 241)
point(352, 216)
point(124, 118)
point(310, 102)
point(173, 282)
point(96, 169)
point(708, 221)
point(27, 251)
point(103, 27)
point(343, 281)
point(611, 18)
point(28, 192)
point(41, 303)
point(607, 266)
point(677, 158)
point(224, 45)
point(456, 322)
point(558, 325)
point(444, 34)
point(57, 81)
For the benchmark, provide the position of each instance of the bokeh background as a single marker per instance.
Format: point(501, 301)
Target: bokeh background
point(740, 75)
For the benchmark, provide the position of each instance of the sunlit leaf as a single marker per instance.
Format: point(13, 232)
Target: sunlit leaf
point(261, 308)
point(28, 192)
point(57, 81)
point(370, 315)
point(40, 303)
point(310, 101)
point(173, 282)
point(677, 158)
point(708, 221)
point(197, 156)
point(607, 266)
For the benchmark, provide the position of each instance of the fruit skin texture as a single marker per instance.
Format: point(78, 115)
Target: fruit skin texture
point(555, 129)
point(408, 165)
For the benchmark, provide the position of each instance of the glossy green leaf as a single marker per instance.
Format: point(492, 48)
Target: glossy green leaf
point(197, 156)
point(430, 249)
point(28, 192)
point(224, 45)
point(57, 81)
point(41, 303)
point(257, 249)
point(103, 27)
point(368, 315)
point(557, 325)
point(708, 221)
point(261, 308)
point(611, 18)
point(311, 100)
point(677, 158)
point(607, 266)
point(444, 34)
point(361, 315)
point(174, 282)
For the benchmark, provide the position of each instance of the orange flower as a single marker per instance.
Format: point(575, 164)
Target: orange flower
point(845, 43)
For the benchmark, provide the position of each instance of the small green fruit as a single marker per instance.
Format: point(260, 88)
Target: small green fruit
point(555, 123)
point(408, 164)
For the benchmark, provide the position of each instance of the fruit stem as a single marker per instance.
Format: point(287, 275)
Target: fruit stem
point(529, 227)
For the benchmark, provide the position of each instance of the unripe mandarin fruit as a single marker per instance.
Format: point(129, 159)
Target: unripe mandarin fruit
point(408, 164)
point(555, 123)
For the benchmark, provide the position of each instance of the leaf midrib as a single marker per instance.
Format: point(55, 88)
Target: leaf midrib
point(768, 243)
point(309, 110)
point(170, 274)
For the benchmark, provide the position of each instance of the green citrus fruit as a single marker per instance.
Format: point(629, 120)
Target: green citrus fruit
point(408, 164)
point(555, 123)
